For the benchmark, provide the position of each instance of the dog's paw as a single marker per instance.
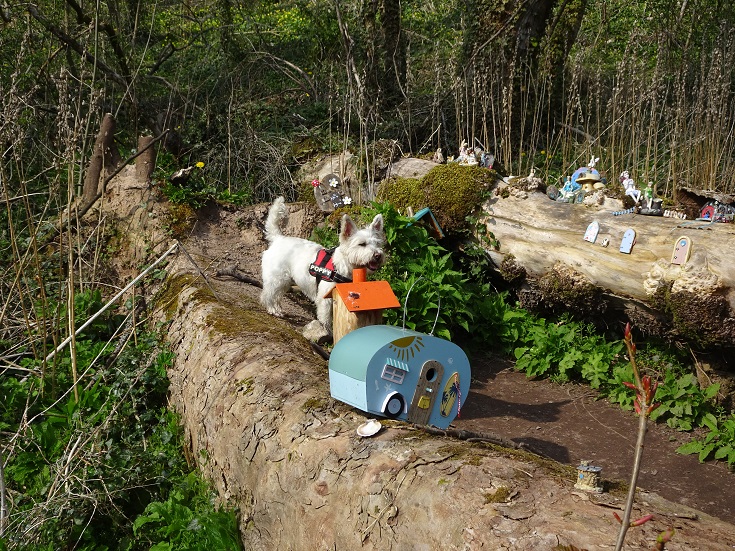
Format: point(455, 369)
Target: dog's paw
point(277, 312)
point(316, 332)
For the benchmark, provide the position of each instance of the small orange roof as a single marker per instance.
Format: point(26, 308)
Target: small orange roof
point(367, 295)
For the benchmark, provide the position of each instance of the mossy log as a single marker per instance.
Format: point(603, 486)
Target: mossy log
point(695, 300)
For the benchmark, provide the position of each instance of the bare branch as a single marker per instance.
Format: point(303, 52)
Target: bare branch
point(78, 48)
point(109, 31)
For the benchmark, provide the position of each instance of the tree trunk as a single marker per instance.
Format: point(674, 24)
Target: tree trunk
point(145, 163)
point(255, 403)
point(394, 53)
point(104, 155)
point(695, 300)
point(256, 407)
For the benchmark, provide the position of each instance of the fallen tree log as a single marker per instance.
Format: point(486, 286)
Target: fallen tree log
point(256, 407)
point(544, 238)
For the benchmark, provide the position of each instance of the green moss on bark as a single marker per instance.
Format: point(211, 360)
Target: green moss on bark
point(451, 191)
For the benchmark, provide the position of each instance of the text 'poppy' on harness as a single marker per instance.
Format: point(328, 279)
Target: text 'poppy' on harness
point(323, 268)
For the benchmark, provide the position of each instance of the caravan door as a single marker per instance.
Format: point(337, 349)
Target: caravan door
point(425, 395)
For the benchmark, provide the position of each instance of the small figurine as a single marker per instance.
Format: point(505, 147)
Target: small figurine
point(629, 185)
point(589, 181)
point(569, 191)
point(463, 153)
point(466, 155)
point(648, 196)
point(651, 205)
point(438, 156)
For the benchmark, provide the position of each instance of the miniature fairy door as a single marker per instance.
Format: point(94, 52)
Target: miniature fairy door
point(427, 389)
point(682, 250)
point(592, 231)
point(628, 241)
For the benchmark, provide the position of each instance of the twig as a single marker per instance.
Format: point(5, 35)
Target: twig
point(24, 196)
point(233, 271)
point(111, 301)
point(320, 350)
point(198, 269)
point(645, 392)
point(3, 505)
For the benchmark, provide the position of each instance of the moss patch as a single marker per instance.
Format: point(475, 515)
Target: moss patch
point(313, 403)
point(181, 219)
point(167, 299)
point(403, 193)
point(702, 318)
point(465, 452)
point(246, 320)
point(511, 271)
point(549, 466)
point(246, 385)
point(451, 191)
point(566, 290)
point(501, 495)
point(239, 321)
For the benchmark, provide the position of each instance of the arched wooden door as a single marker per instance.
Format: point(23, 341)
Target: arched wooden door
point(426, 393)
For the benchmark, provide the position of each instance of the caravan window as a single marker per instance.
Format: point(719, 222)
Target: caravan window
point(393, 374)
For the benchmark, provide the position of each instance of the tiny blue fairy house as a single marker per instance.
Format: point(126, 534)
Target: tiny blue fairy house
point(400, 374)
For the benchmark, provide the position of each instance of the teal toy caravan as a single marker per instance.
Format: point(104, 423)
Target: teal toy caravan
point(400, 374)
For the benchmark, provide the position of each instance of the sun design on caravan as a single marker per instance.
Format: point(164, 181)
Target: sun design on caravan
point(406, 347)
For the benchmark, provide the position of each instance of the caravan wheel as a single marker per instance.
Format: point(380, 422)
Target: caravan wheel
point(395, 406)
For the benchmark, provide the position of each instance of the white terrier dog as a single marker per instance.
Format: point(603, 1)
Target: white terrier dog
point(308, 264)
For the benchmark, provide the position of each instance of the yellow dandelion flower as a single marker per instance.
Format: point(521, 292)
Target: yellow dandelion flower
point(200, 164)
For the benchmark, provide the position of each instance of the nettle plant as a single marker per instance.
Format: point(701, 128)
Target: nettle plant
point(719, 442)
point(437, 295)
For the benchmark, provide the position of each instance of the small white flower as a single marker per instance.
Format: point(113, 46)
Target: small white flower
point(348, 200)
point(333, 182)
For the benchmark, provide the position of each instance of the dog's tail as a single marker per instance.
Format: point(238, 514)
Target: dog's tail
point(276, 215)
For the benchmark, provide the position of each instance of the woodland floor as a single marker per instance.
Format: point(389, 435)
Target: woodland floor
point(567, 423)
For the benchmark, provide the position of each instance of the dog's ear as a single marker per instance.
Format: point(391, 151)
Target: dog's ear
point(348, 228)
point(377, 223)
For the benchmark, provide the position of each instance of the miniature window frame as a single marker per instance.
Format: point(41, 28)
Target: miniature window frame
point(393, 374)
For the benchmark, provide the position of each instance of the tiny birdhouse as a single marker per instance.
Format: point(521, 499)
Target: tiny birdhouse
point(359, 303)
point(400, 374)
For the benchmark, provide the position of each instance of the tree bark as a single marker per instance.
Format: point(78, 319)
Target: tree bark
point(394, 53)
point(256, 408)
point(145, 163)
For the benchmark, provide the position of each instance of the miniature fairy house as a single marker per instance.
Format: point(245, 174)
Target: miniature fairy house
point(359, 303)
point(400, 374)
